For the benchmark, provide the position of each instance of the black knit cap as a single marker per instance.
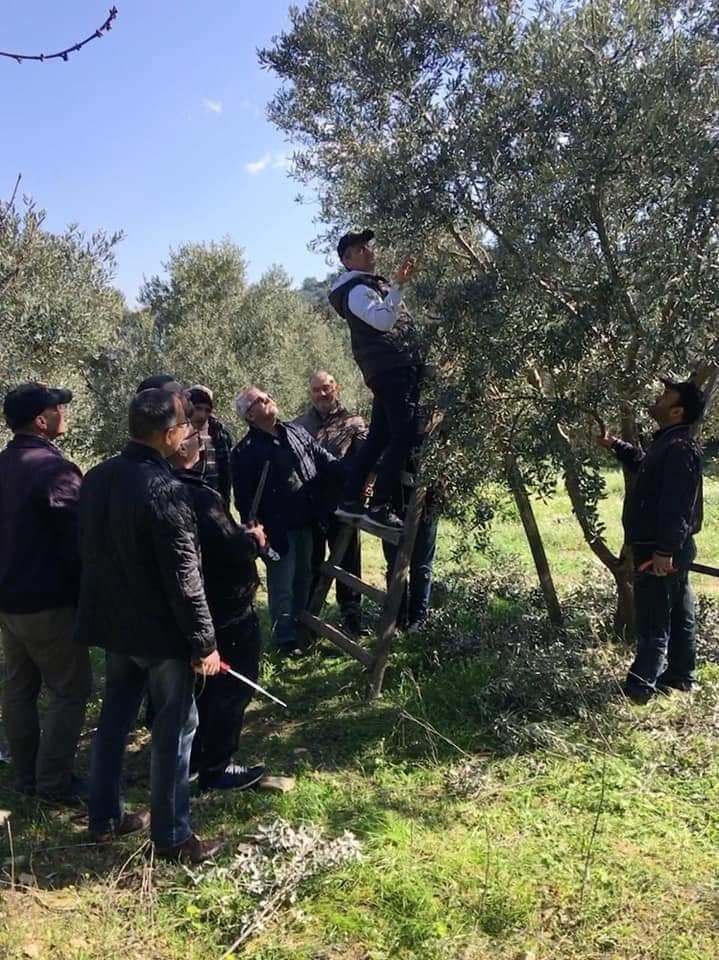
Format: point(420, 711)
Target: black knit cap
point(691, 398)
point(159, 381)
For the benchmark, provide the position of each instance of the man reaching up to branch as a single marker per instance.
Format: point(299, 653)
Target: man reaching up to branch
point(662, 512)
point(385, 344)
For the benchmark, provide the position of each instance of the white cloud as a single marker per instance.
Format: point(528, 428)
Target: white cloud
point(212, 106)
point(257, 166)
point(269, 161)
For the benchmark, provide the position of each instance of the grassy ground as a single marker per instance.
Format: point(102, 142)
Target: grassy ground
point(493, 824)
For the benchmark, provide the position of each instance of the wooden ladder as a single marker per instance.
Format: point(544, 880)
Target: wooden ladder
point(373, 657)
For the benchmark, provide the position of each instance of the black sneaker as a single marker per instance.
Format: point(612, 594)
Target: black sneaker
point(667, 683)
point(637, 694)
point(352, 621)
point(384, 516)
point(234, 777)
point(74, 795)
point(350, 508)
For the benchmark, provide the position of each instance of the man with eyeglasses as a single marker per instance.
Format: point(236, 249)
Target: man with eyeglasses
point(283, 479)
point(386, 346)
point(229, 552)
point(142, 598)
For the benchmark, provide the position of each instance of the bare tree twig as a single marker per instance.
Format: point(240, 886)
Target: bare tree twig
point(65, 54)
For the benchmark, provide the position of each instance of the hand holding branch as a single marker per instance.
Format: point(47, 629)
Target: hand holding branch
point(405, 270)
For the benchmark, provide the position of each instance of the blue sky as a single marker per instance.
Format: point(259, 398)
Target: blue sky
point(157, 129)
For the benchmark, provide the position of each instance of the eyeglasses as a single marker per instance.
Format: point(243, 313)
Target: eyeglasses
point(181, 423)
point(267, 398)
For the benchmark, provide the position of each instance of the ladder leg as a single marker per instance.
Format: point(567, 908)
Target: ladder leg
point(325, 580)
point(388, 619)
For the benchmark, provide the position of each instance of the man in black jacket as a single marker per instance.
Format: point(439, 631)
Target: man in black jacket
point(214, 463)
point(39, 579)
point(662, 512)
point(280, 477)
point(228, 566)
point(385, 344)
point(142, 599)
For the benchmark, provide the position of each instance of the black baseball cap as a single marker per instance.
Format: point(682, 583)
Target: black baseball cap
point(350, 239)
point(691, 398)
point(27, 400)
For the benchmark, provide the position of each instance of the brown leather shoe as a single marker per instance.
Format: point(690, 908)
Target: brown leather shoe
point(133, 823)
point(130, 823)
point(193, 850)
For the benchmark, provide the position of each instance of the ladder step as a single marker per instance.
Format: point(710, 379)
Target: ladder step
point(376, 529)
point(353, 582)
point(328, 632)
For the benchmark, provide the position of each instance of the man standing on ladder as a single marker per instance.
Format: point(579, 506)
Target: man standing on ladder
point(385, 344)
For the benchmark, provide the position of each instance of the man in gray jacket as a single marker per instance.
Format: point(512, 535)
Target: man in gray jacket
point(342, 434)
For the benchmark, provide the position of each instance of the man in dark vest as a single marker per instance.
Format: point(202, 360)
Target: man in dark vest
point(385, 344)
point(662, 512)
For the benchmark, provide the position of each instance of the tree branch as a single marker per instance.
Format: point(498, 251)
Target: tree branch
point(595, 206)
point(64, 54)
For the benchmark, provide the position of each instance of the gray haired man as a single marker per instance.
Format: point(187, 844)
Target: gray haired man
point(282, 478)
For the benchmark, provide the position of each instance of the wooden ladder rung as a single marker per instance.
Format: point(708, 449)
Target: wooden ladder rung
point(376, 529)
point(353, 582)
point(341, 640)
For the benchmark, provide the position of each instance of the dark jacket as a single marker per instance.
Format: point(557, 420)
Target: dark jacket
point(228, 553)
point(298, 485)
point(376, 351)
point(141, 591)
point(39, 557)
point(664, 504)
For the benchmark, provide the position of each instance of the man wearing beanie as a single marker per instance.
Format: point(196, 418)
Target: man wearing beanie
point(214, 465)
point(39, 581)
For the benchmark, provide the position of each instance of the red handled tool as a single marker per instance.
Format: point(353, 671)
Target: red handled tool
point(648, 564)
point(225, 668)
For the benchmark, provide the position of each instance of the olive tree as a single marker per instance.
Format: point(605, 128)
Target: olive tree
point(556, 168)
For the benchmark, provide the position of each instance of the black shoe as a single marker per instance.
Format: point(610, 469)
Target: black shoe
point(667, 683)
point(384, 516)
point(234, 777)
point(75, 794)
point(350, 508)
point(193, 850)
point(291, 651)
point(129, 824)
point(352, 621)
point(637, 694)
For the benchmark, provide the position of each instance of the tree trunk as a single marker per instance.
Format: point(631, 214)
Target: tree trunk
point(624, 616)
point(619, 567)
point(529, 522)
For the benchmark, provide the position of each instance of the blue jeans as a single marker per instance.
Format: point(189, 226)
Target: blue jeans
point(415, 607)
point(665, 623)
point(170, 684)
point(288, 587)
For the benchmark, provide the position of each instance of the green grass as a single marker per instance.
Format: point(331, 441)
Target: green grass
point(602, 845)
